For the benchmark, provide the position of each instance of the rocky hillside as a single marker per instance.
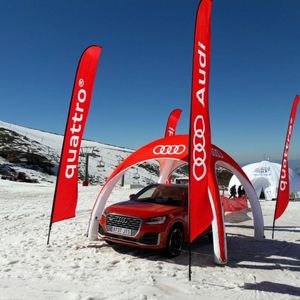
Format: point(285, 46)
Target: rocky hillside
point(32, 155)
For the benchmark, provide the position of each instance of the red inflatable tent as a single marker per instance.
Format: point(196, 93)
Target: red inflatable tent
point(174, 150)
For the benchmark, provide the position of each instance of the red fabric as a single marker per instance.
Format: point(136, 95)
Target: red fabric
point(200, 213)
point(174, 147)
point(172, 122)
point(170, 131)
point(234, 204)
point(66, 193)
point(284, 182)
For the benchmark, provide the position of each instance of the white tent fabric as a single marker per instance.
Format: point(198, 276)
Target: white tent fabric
point(264, 176)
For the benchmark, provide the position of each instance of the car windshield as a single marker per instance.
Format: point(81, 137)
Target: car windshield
point(164, 194)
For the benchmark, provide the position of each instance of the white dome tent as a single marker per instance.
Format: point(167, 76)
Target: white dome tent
point(264, 177)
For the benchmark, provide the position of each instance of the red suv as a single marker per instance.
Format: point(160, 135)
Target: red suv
point(156, 217)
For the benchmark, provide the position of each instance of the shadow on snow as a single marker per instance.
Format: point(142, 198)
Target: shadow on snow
point(243, 252)
point(272, 287)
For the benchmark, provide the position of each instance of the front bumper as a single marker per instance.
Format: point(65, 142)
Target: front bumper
point(148, 240)
point(147, 236)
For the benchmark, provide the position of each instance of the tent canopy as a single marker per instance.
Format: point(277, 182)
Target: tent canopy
point(172, 152)
point(264, 177)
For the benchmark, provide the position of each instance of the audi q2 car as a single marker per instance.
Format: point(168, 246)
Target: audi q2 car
point(156, 218)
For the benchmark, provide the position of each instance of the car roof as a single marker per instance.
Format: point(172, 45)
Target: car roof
point(184, 186)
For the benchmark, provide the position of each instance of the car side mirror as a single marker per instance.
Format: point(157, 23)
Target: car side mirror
point(132, 197)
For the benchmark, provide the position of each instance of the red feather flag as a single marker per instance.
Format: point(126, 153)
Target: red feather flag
point(172, 122)
point(165, 164)
point(284, 181)
point(66, 192)
point(200, 213)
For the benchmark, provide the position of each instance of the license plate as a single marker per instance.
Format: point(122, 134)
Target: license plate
point(120, 230)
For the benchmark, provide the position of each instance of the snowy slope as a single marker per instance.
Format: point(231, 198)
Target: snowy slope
point(72, 268)
point(48, 145)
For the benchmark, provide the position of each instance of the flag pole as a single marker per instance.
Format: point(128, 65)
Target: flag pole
point(54, 197)
point(190, 262)
point(273, 229)
point(274, 219)
point(49, 231)
point(189, 203)
point(190, 256)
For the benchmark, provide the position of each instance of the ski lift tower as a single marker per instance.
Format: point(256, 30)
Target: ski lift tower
point(86, 152)
point(120, 159)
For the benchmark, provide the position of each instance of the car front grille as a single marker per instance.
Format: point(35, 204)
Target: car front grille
point(125, 222)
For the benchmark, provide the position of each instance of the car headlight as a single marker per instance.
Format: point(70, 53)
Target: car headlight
point(104, 214)
point(156, 220)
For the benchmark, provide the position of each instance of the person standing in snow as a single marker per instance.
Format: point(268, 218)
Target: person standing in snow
point(240, 191)
point(233, 192)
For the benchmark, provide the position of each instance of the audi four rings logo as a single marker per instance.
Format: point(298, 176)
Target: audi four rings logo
point(199, 153)
point(121, 219)
point(169, 149)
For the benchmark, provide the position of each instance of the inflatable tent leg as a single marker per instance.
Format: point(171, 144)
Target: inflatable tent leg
point(218, 227)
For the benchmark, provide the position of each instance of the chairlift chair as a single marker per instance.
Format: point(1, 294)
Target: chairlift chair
point(136, 175)
point(101, 164)
point(120, 159)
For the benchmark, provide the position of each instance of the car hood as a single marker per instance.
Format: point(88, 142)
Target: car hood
point(142, 210)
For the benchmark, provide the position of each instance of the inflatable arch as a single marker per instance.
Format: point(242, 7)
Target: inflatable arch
point(172, 152)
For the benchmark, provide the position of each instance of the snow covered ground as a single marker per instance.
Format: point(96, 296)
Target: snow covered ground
point(71, 267)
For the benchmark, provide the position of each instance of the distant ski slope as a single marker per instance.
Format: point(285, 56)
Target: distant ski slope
point(107, 157)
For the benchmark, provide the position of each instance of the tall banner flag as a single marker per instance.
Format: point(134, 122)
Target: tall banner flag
point(284, 181)
point(167, 165)
point(66, 191)
point(200, 213)
point(172, 122)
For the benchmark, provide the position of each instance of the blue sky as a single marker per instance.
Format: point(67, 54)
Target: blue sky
point(145, 69)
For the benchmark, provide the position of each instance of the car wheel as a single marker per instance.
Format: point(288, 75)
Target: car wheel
point(174, 242)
